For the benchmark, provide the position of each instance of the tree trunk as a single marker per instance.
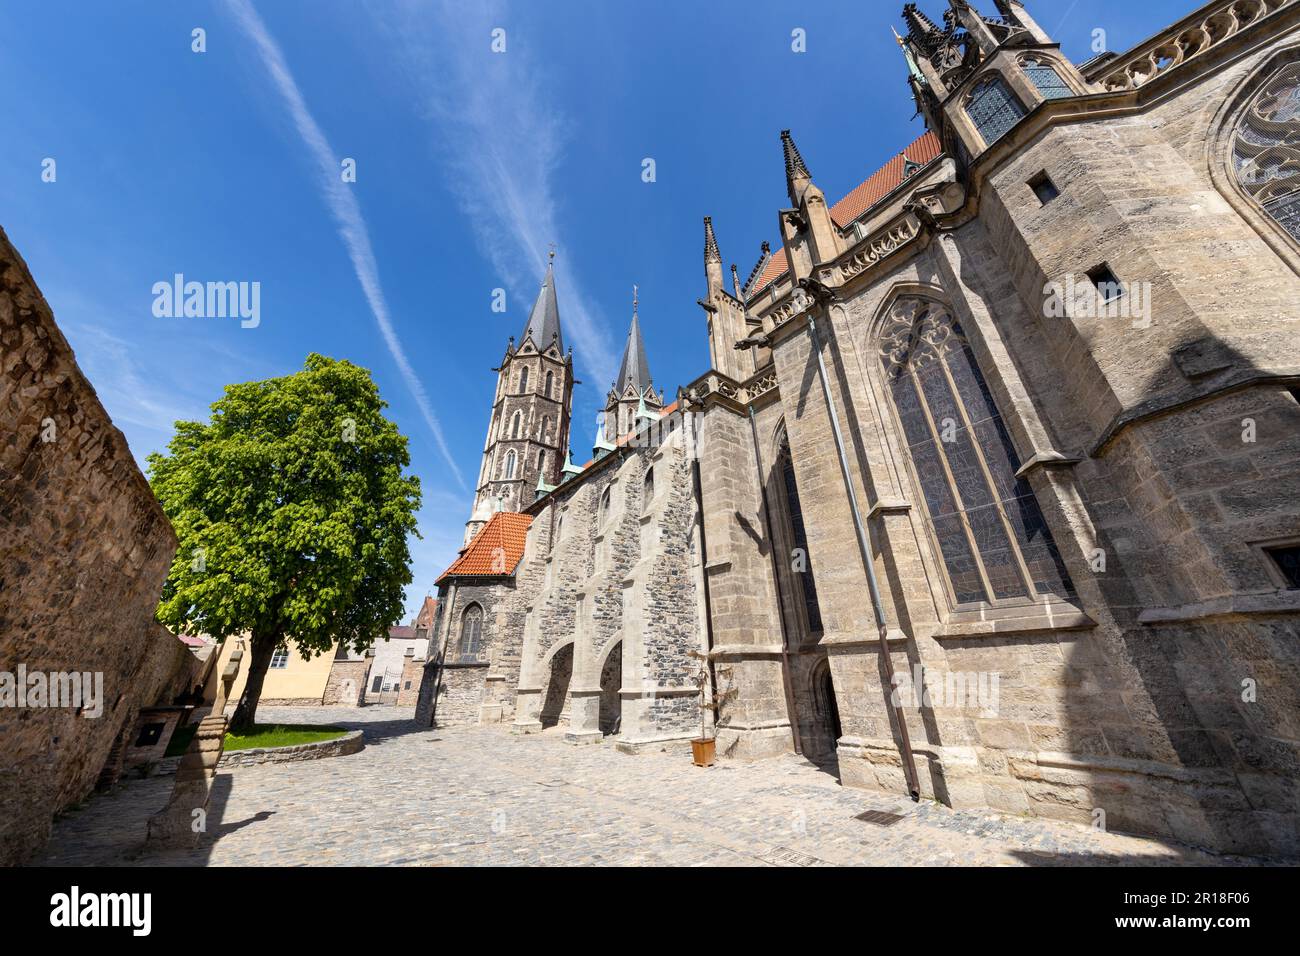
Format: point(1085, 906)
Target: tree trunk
point(263, 647)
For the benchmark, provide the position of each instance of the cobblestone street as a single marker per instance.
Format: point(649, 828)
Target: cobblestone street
point(482, 796)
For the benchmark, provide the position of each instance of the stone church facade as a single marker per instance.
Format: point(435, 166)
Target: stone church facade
point(991, 493)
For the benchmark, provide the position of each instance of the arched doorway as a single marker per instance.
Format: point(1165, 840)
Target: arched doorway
point(611, 682)
point(557, 689)
point(826, 716)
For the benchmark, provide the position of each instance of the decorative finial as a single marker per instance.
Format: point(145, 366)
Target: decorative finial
point(794, 164)
point(550, 256)
point(634, 299)
point(711, 253)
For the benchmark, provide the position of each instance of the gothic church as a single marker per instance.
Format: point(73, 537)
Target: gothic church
point(991, 492)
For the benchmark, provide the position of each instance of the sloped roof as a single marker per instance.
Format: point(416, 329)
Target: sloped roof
point(866, 194)
point(495, 551)
point(425, 617)
point(401, 632)
point(544, 321)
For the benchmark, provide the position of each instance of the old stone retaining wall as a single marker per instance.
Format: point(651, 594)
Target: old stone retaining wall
point(84, 549)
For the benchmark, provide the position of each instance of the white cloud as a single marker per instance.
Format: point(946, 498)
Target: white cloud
point(502, 143)
point(346, 211)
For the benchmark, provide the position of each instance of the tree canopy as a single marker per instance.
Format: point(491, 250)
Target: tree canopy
point(293, 516)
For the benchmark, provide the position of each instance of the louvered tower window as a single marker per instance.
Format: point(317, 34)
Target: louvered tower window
point(987, 524)
point(1266, 149)
point(1046, 80)
point(993, 108)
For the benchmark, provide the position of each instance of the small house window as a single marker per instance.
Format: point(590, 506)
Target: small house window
point(1287, 559)
point(280, 658)
point(1044, 188)
point(1106, 282)
point(378, 685)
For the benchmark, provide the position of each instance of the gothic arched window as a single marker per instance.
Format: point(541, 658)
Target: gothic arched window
point(471, 631)
point(993, 108)
point(523, 379)
point(798, 536)
point(546, 427)
point(986, 521)
point(541, 462)
point(508, 471)
point(515, 421)
point(1045, 79)
point(1266, 149)
point(550, 376)
point(605, 500)
point(647, 489)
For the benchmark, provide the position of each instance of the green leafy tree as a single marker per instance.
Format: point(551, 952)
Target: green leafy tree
point(293, 517)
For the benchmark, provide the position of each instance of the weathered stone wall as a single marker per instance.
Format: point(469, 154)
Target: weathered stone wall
point(412, 675)
point(1163, 694)
point(611, 572)
point(346, 686)
point(84, 548)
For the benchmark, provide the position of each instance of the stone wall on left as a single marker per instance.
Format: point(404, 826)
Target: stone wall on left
point(84, 549)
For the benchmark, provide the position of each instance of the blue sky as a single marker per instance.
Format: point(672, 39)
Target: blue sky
point(224, 165)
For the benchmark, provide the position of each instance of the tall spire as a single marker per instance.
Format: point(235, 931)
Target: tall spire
point(634, 368)
point(544, 321)
point(794, 164)
point(711, 253)
point(912, 68)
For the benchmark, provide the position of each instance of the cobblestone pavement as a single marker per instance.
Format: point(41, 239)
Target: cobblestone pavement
point(484, 796)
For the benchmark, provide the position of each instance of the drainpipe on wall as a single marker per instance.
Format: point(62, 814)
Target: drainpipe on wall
point(442, 656)
point(864, 543)
point(704, 567)
point(776, 583)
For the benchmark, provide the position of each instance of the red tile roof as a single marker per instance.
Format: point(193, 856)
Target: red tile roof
point(425, 617)
point(876, 187)
point(400, 631)
point(495, 550)
point(884, 180)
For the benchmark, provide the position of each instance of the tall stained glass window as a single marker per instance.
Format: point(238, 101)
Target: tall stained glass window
point(799, 536)
point(471, 631)
point(1266, 149)
point(993, 108)
point(986, 521)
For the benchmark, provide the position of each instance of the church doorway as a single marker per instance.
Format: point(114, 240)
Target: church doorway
point(557, 689)
point(826, 716)
point(611, 682)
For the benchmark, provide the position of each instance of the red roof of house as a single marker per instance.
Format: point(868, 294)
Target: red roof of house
point(401, 631)
point(876, 187)
point(425, 617)
point(496, 550)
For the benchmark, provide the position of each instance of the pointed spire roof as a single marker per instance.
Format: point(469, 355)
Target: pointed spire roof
point(794, 164)
point(634, 368)
point(544, 321)
point(711, 253)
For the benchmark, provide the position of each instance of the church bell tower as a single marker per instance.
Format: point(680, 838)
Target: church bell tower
point(529, 430)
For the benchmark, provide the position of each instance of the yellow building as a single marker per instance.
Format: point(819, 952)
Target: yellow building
point(290, 680)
